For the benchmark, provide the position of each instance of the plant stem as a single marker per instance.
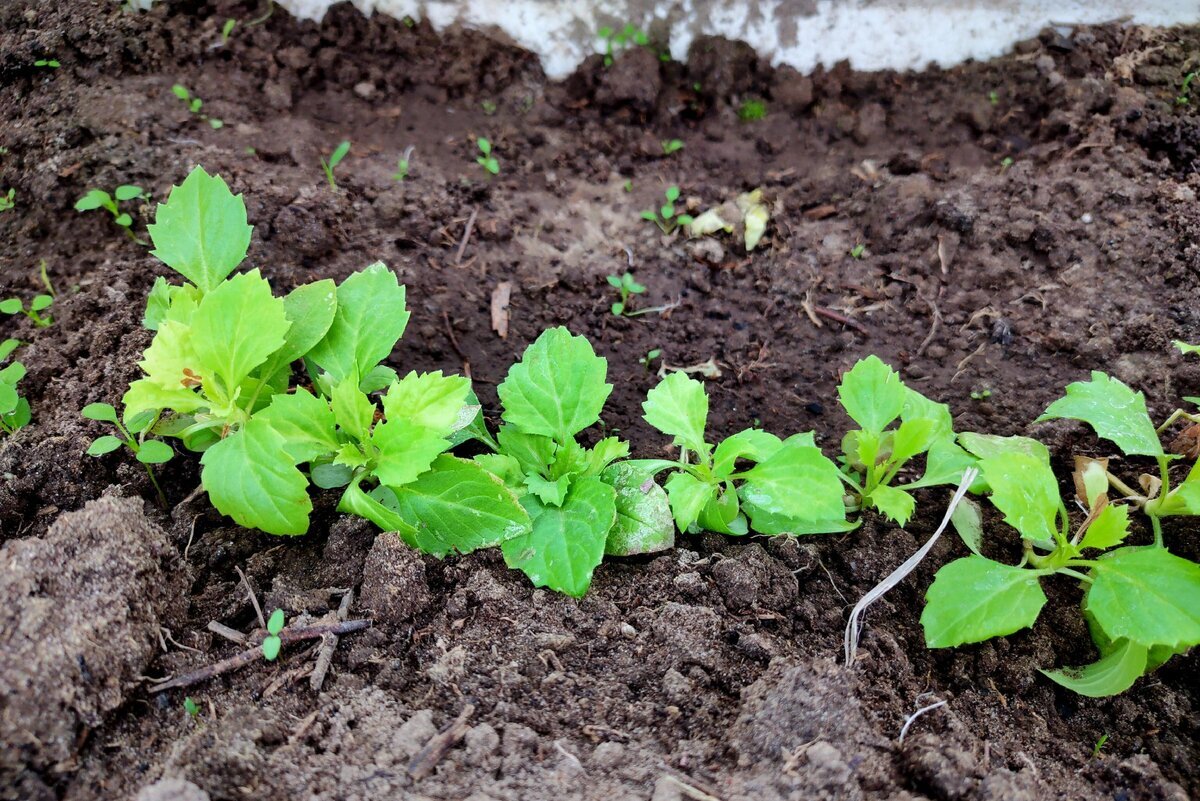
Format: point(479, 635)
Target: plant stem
point(1123, 488)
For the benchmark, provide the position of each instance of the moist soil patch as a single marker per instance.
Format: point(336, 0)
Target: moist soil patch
point(1023, 220)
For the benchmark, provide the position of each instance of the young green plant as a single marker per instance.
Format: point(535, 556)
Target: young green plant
point(194, 104)
point(335, 158)
point(615, 40)
point(99, 199)
point(33, 311)
point(131, 434)
point(665, 217)
point(752, 110)
point(486, 159)
point(271, 643)
point(670, 146)
point(8, 200)
point(626, 287)
point(1185, 89)
point(14, 409)
point(47, 63)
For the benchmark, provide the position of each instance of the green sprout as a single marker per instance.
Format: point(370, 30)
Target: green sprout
point(489, 107)
point(7, 201)
point(14, 410)
point(1099, 744)
point(994, 97)
point(981, 394)
point(665, 217)
point(487, 160)
point(99, 199)
point(271, 643)
point(858, 251)
point(194, 104)
point(670, 146)
point(1005, 163)
point(132, 434)
point(335, 158)
point(227, 30)
point(402, 165)
point(627, 287)
point(648, 359)
point(190, 707)
point(39, 304)
point(615, 40)
point(1184, 96)
point(47, 63)
point(628, 185)
point(752, 110)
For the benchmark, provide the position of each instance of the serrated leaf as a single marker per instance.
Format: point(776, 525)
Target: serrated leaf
point(753, 444)
point(797, 482)
point(1109, 528)
point(872, 394)
point(370, 319)
point(558, 388)
point(551, 492)
point(457, 506)
point(145, 395)
point(533, 452)
point(250, 477)
point(353, 410)
point(1147, 595)
point(405, 451)
point(913, 437)
point(567, 542)
point(235, 328)
point(1025, 490)
point(604, 453)
point(644, 523)
point(309, 310)
point(102, 445)
point(974, 599)
point(945, 463)
point(1113, 410)
point(895, 504)
point(429, 400)
point(154, 451)
point(687, 496)
point(678, 407)
point(306, 423)
point(201, 231)
point(1110, 675)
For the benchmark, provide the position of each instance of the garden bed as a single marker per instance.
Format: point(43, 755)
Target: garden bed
point(1024, 221)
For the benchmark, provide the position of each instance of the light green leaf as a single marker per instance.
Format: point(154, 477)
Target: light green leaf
point(104, 412)
point(270, 648)
point(351, 456)
point(356, 502)
point(306, 423)
point(7, 346)
point(505, 468)
point(919, 407)
point(154, 451)
point(753, 444)
point(331, 476)
point(533, 452)
point(797, 482)
point(1185, 348)
point(378, 377)
point(567, 542)
point(429, 400)
point(558, 387)
point(1109, 528)
point(872, 394)
point(1184, 499)
point(1147, 595)
point(968, 522)
point(127, 192)
point(405, 451)
point(688, 496)
point(250, 477)
point(605, 452)
point(987, 445)
point(895, 504)
point(201, 231)
point(945, 463)
point(94, 199)
point(723, 513)
point(145, 395)
point(235, 328)
point(1111, 675)
point(458, 506)
point(974, 599)
point(100, 445)
point(551, 492)
point(678, 407)
point(309, 310)
point(644, 523)
point(353, 411)
point(1113, 410)
point(1025, 490)
point(369, 321)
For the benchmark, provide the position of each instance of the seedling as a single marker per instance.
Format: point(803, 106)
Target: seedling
point(487, 160)
point(1099, 744)
point(335, 158)
point(99, 199)
point(271, 643)
point(132, 434)
point(190, 707)
point(1005, 163)
point(47, 63)
point(752, 110)
point(14, 409)
point(227, 30)
point(194, 105)
point(628, 185)
point(670, 146)
point(489, 107)
point(981, 394)
point(615, 40)
point(858, 251)
point(993, 97)
point(650, 357)
point(8, 200)
point(790, 487)
point(401, 173)
point(39, 304)
point(1185, 89)
point(626, 286)
point(665, 217)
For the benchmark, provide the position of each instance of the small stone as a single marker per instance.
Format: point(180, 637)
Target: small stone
point(172, 790)
point(665, 789)
point(608, 756)
point(676, 686)
point(689, 584)
point(628, 631)
point(415, 732)
point(364, 89)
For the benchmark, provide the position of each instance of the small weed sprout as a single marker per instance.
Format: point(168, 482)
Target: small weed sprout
point(335, 158)
point(981, 394)
point(99, 199)
point(994, 97)
point(194, 105)
point(647, 360)
point(227, 30)
point(1099, 744)
point(8, 200)
point(628, 185)
point(665, 217)
point(670, 146)
point(47, 63)
point(39, 304)
point(133, 436)
point(858, 251)
point(190, 707)
point(489, 107)
point(752, 110)
point(401, 174)
point(487, 160)
point(615, 40)
point(1185, 89)
point(271, 643)
point(14, 410)
point(627, 287)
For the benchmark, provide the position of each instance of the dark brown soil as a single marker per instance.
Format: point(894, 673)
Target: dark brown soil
point(708, 671)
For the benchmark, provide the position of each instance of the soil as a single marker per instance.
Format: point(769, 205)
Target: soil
point(709, 671)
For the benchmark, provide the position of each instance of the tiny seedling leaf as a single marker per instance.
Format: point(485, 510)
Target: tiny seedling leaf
point(103, 412)
point(103, 445)
point(154, 451)
point(872, 394)
point(678, 407)
point(275, 622)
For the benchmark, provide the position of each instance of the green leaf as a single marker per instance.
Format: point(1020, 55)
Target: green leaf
point(605, 452)
point(154, 451)
point(123, 220)
point(1185, 348)
point(41, 302)
point(146, 395)
point(723, 513)
point(338, 154)
point(457, 506)
point(250, 477)
point(1113, 410)
point(7, 346)
point(104, 412)
point(270, 648)
point(103, 445)
point(919, 407)
point(127, 192)
point(11, 306)
point(688, 496)
point(644, 523)
point(1147, 595)
point(533, 452)
point(797, 482)
point(895, 504)
point(275, 622)
point(235, 328)
point(378, 377)
point(945, 463)
point(429, 400)
point(356, 502)
point(985, 446)
point(551, 492)
point(1111, 675)
point(306, 423)
point(567, 542)
point(353, 410)
point(94, 199)
point(974, 599)
point(678, 407)
point(201, 231)
point(872, 394)
point(406, 451)
point(1025, 490)
point(558, 388)
point(370, 319)
point(968, 522)
point(752, 443)
point(1109, 528)
point(310, 310)
point(913, 437)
